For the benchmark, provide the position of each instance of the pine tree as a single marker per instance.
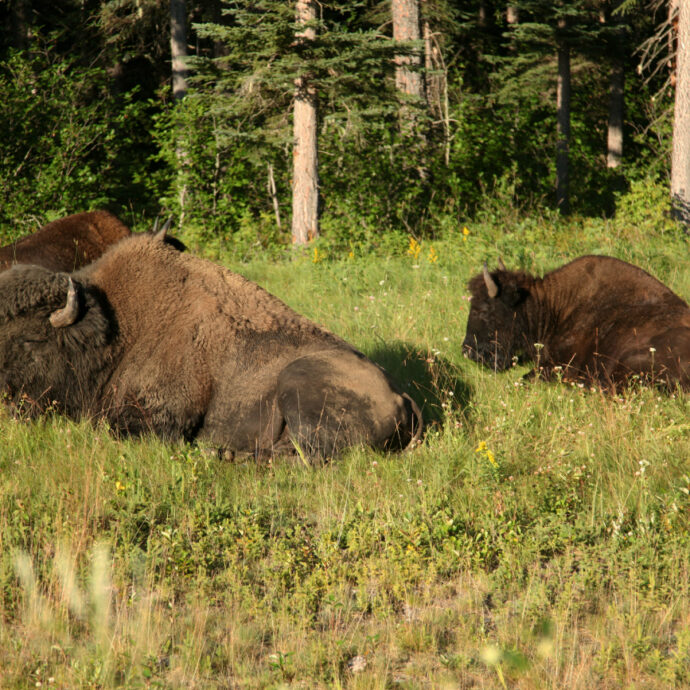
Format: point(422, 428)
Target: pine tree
point(277, 64)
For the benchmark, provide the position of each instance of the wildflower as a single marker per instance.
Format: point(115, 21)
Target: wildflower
point(414, 248)
point(433, 256)
point(484, 450)
point(465, 233)
point(119, 486)
point(316, 258)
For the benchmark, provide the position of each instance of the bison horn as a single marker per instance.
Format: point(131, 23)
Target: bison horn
point(491, 286)
point(501, 265)
point(66, 316)
point(160, 234)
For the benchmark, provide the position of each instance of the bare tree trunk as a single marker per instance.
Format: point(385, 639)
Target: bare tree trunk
point(615, 132)
point(178, 53)
point(512, 14)
point(406, 28)
point(273, 193)
point(305, 176)
point(563, 136)
point(680, 157)
point(178, 47)
point(436, 84)
point(19, 21)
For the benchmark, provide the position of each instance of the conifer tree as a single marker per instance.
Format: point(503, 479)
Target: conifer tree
point(279, 63)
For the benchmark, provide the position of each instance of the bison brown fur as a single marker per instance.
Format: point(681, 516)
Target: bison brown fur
point(155, 340)
point(67, 243)
point(598, 318)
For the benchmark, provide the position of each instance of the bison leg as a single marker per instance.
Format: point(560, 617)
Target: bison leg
point(334, 399)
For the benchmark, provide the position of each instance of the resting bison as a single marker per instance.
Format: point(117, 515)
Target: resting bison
point(154, 339)
point(600, 319)
point(67, 243)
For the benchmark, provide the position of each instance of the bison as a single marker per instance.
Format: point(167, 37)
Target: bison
point(67, 243)
point(152, 339)
point(71, 242)
point(599, 319)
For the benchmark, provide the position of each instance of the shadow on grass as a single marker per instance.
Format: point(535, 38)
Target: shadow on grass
point(432, 381)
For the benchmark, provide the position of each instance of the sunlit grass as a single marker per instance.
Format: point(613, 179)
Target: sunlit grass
point(537, 538)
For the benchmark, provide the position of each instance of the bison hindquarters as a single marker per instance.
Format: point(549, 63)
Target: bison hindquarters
point(335, 399)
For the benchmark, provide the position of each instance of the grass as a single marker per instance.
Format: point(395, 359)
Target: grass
point(537, 538)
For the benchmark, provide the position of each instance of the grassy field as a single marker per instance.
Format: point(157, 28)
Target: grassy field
point(538, 538)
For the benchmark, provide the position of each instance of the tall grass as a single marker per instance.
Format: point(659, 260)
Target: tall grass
point(537, 538)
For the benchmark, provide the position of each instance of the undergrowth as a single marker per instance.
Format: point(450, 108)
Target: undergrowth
point(537, 538)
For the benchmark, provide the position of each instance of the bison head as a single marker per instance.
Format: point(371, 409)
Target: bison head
point(496, 318)
point(54, 338)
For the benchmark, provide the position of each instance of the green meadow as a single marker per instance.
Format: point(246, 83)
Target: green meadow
point(538, 537)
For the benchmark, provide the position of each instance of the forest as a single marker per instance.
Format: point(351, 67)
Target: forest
point(361, 162)
point(187, 109)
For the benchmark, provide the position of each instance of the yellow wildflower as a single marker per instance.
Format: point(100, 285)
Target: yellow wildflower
point(414, 248)
point(465, 233)
point(433, 256)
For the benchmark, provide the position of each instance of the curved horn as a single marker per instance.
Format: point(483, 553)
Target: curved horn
point(491, 286)
point(160, 234)
point(66, 316)
point(154, 230)
point(501, 265)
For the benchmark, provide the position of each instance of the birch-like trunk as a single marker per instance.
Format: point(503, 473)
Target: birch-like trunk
point(680, 157)
point(178, 53)
point(615, 132)
point(563, 136)
point(178, 47)
point(408, 77)
point(305, 175)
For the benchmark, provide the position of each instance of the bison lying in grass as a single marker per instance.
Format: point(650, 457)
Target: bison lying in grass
point(68, 243)
point(599, 319)
point(155, 340)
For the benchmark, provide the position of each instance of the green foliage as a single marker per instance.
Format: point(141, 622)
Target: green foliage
point(65, 144)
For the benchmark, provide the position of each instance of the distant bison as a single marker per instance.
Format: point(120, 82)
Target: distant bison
point(156, 340)
point(74, 241)
point(67, 243)
point(600, 319)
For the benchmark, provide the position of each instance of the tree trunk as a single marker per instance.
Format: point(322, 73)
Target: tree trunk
point(615, 133)
point(512, 14)
point(178, 47)
point(19, 21)
point(273, 193)
point(563, 105)
point(680, 157)
point(305, 176)
point(406, 28)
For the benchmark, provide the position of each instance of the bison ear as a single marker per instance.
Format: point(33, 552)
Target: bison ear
point(491, 286)
point(61, 318)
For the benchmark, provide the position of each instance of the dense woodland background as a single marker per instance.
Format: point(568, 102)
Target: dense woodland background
point(531, 105)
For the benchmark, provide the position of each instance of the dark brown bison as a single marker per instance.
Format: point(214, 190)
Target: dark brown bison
point(598, 318)
point(74, 241)
point(156, 340)
point(67, 243)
